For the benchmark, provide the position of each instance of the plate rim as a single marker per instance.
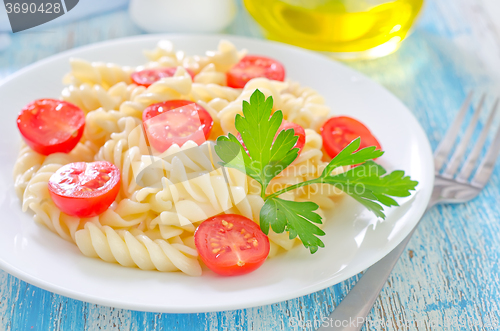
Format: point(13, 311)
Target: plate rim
point(19, 273)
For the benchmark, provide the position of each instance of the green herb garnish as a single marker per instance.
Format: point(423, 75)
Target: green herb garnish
point(368, 183)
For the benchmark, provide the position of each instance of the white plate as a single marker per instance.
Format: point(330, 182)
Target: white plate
point(355, 238)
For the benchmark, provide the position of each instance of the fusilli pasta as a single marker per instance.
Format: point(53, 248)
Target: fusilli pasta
point(223, 59)
point(165, 196)
point(89, 97)
point(136, 249)
point(97, 73)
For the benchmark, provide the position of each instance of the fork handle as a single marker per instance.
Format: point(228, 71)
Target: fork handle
point(351, 313)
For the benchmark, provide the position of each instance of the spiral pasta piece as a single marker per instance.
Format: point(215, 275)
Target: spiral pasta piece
point(88, 97)
point(209, 75)
point(97, 73)
point(100, 124)
point(27, 164)
point(209, 92)
point(304, 106)
point(123, 149)
point(135, 249)
point(164, 48)
point(165, 89)
point(222, 59)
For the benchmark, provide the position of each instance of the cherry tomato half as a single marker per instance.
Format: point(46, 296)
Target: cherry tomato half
point(231, 244)
point(149, 76)
point(51, 126)
point(339, 131)
point(298, 130)
point(175, 122)
point(252, 66)
point(85, 189)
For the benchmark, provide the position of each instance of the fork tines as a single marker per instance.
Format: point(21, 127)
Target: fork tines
point(485, 169)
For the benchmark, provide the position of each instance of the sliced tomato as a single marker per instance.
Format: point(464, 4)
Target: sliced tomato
point(231, 244)
point(85, 189)
point(299, 131)
point(339, 131)
point(149, 76)
point(51, 126)
point(175, 122)
point(253, 66)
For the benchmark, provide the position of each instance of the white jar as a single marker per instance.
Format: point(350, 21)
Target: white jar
point(182, 15)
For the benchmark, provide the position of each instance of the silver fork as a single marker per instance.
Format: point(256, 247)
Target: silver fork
point(351, 313)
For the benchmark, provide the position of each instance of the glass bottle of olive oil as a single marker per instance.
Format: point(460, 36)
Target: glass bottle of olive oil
point(348, 29)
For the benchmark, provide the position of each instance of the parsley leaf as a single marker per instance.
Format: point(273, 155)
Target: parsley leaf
point(349, 156)
point(370, 185)
point(266, 158)
point(297, 218)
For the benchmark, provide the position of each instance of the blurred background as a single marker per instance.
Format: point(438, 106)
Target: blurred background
point(342, 29)
point(349, 30)
point(429, 53)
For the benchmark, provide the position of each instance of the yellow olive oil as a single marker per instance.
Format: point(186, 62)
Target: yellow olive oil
point(373, 27)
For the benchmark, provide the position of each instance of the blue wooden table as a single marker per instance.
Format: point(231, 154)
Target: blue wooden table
point(448, 279)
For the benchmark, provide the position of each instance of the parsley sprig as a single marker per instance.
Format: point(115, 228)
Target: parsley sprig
point(368, 183)
point(265, 159)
